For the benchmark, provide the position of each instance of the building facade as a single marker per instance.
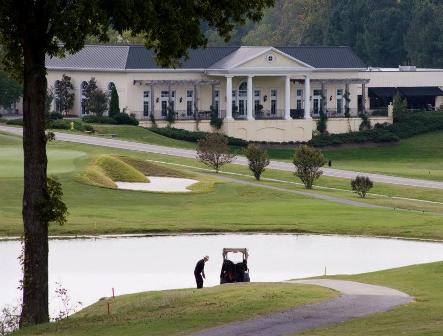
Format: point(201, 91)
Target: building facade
point(261, 93)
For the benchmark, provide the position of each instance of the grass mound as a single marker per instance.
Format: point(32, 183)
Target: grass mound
point(118, 170)
point(152, 169)
point(95, 176)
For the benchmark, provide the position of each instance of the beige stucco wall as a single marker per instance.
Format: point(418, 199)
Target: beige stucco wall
point(343, 125)
point(404, 78)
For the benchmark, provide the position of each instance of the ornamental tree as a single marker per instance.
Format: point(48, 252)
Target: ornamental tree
point(361, 185)
point(10, 91)
point(64, 95)
point(258, 160)
point(31, 30)
point(114, 108)
point(213, 151)
point(308, 161)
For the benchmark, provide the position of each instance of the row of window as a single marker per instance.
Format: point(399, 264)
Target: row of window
point(168, 99)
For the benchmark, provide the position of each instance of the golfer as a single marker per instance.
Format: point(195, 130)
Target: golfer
point(199, 271)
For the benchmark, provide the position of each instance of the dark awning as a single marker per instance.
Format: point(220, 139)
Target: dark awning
point(421, 91)
point(418, 91)
point(382, 91)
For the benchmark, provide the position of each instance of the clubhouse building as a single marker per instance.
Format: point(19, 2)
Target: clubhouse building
point(261, 93)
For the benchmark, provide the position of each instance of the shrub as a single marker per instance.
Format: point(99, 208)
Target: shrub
point(365, 122)
point(180, 134)
point(114, 108)
point(377, 135)
point(17, 122)
point(409, 124)
point(213, 151)
point(215, 122)
point(307, 161)
point(60, 124)
point(92, 119)
point(258, 160)
point(361, 185)
point(322, 123)
point(400, 107)
point(55, 116)
point(125, 119)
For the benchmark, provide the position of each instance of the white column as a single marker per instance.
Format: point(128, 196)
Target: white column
point(250, 111)
point(307, 97)
point(287, 98)
point(229, 98)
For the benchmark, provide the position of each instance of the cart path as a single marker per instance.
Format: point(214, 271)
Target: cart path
point(356, 300)
point(188, 153)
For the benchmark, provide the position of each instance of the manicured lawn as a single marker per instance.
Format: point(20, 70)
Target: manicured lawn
point(179, 312)
point(421, 318)
point(419, 157)
point(228, 207)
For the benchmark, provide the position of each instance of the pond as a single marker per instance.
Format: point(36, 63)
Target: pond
point(89, 268)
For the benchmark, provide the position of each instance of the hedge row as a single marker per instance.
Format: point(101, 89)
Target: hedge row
point(375, 135)
point(118, 119)
point(414, 123)
point(180, 134)
point(57, 124)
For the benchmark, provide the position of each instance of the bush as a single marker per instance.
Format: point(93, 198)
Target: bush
point(258, 160)
point(125, 119)
point(60, 124)
point(307, 161)
point(55, 116)
point(377, 135)
point(92, 119)
point(16, 122)
point(213, 151)
point(409, 123)
point(180, 134)
point(361, 185)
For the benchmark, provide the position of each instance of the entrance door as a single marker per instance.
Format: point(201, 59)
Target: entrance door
point(316, 102)
point(243, 99)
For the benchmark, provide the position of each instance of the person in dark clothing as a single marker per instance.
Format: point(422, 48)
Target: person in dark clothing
point(199, 271)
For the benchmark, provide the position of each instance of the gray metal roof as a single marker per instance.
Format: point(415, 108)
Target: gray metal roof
point(100, 57)
point(137, 57)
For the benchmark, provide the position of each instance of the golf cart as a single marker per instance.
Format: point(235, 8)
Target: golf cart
point(232, 272)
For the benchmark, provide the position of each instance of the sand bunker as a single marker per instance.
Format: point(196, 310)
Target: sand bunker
point(161, 184)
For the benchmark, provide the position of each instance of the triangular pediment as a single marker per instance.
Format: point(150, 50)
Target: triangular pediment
point(273, 58)
point(259, 57)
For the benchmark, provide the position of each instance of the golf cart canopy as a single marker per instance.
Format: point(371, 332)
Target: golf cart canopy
point(235, 250)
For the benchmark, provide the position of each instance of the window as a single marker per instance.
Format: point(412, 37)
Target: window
point(146, 96)
point(299, 99)
point(270, 58)
point(273, 101)
point(166, 100)
point(189, 102)
point(217, 101)
point(317, 92)
point(340, 99)
point(257, 101)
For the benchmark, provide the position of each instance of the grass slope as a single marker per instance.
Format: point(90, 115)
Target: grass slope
point(179, 312)
point(421, 318)
point(419, 157)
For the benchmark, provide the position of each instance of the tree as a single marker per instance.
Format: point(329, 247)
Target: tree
point(64, 94)
point(30, 30)
point(97, 102)
point(258, 160)
point(361, 185)
point(114, 108)
point(307, 161)
point(213, 151)
point(400, 107)
point(10, 91)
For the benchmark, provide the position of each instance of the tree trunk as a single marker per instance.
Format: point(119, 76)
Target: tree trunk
point(35, 195)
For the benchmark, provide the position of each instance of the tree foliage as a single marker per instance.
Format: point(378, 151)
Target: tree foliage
point(308, 161)
point(258, 160)
point(10, 91)
point(114, 108)
point(97, 102)
point(400, 107)
point(213, 151)
point(64, 95)
point(361, 185)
